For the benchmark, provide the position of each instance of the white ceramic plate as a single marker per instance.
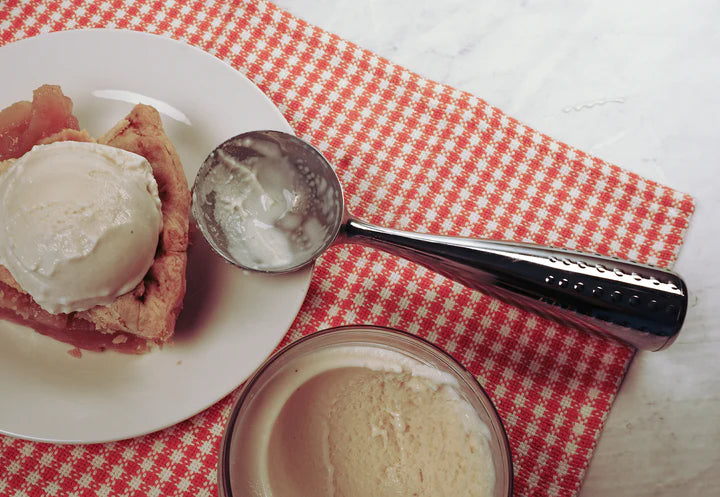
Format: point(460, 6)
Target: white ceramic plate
point(231, 321)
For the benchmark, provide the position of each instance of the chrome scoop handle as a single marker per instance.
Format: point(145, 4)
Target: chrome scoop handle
point(638, 304)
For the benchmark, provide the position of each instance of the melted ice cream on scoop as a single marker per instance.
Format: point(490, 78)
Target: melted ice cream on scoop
point(264, 207)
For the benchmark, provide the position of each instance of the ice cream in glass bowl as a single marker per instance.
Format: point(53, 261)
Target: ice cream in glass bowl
point(362, 410)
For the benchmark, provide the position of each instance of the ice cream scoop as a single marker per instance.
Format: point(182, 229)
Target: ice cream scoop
point(269, 201)
point(79, 223)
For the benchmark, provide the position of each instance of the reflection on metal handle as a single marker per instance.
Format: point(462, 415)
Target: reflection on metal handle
point(638, 304)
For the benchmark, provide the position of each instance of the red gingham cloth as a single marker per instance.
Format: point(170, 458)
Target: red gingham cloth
point(412, 154)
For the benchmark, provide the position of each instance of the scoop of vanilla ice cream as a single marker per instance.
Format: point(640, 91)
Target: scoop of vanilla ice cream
point(357, 432)
point(359, 421)
point(79, 223)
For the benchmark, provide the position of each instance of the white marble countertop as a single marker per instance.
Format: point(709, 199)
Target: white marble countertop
point(635, 83)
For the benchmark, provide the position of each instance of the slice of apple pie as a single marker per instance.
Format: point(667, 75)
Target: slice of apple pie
point(131, 318)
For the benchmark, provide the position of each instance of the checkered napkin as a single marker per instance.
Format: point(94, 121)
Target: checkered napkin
point(411, 154)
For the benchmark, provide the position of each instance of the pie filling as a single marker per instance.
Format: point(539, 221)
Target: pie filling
point(67, 328)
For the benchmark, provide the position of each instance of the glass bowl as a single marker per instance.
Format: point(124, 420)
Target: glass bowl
point(232, 451)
